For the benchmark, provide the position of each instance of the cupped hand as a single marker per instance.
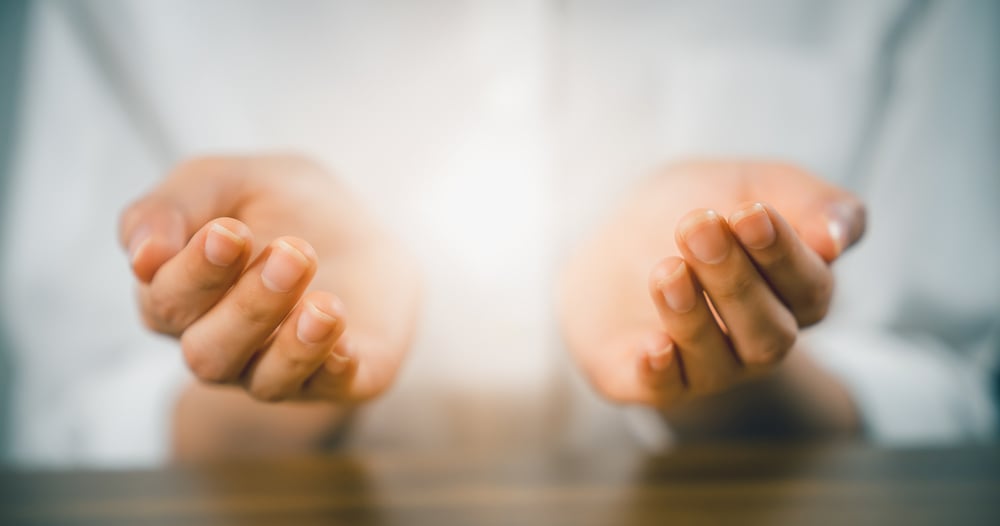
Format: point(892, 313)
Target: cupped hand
point(704, 279)
point(273, 278)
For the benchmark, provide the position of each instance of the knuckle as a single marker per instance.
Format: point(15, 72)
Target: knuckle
point(693, 332)
point(812, 315)
point(203, 364)
point(151, 323)
point(167, 315)
point(269, 393)
point(734, 288)
point(201, 279)
point(254, 312)
point(774, 259)
point(816, 303)
point(300, 360)
point(774, 347)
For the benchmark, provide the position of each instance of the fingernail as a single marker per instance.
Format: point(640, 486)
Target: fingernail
point(706, 238)
point(344, 353)
point(314, 324)
point(677, 290)
point(223, 246)
point(841, 220)
point(837, 235)
point(284, 267)
point(660, 359)
point(836, 225)
point(140, 238)
point(753, 227)
point(337, 364)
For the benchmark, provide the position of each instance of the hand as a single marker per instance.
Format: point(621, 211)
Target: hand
point(728, 295)
point(273, 278)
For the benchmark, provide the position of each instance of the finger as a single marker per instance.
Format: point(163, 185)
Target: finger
point(637, 367)
point(828, 218)
point(796, 273)
point(219, 345)
point(303, 342)
point(157, 226)
point(153, 230)
point(187, 285)
point(760, 328)
point(343, 377)
point(709, 363)
point(660, 372)
point(837, 228)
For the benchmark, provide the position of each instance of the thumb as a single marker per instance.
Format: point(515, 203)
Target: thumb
point(834, 225)
point(158, 225)
point(152, 230)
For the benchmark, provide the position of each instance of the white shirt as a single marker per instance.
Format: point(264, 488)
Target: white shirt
point(490, 137)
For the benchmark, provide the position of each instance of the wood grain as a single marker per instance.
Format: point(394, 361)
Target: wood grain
point(723, 484)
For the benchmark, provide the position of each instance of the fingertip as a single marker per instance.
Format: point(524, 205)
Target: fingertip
point(321, 308)
point(299, 246)
point(846, 222)
point(233, 227)
point(662, 272)
point(148, 254)
point(672, 288)
point(298, 250)
point(824, 238)
point(660, 358)
point(753, 225)
point(660, 368)
point(836, 229)
point(327, 303)
point(343, 358)
point(152, 233)
point(289, 264)
point(226, 241)
point(691, 221)
point(337, 364)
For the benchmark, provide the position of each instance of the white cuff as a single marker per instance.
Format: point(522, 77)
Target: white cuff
point(120, 416)
point(909, 391)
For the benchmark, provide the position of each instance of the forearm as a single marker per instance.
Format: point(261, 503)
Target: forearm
point(220, 421)
point(797, 400)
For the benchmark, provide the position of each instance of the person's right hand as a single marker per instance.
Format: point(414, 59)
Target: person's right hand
point(273, 278)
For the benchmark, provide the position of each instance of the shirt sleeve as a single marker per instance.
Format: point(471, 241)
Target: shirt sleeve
point(113, 413)
point(89, 386)
point(121, 414)
point(909, 390)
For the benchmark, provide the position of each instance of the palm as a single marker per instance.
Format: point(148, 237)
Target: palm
point(358, 261)
point(284, 197)
point(613, 292)
point(724, 187)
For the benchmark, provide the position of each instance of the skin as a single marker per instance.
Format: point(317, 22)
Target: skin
point(280, 287)
point(690, 299)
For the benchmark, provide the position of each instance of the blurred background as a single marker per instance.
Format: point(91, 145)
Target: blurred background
point(491, 136)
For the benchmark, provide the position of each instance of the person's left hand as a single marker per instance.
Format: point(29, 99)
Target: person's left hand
point(736, 256)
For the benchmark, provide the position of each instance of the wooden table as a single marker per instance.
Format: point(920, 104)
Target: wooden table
point(819, 484)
